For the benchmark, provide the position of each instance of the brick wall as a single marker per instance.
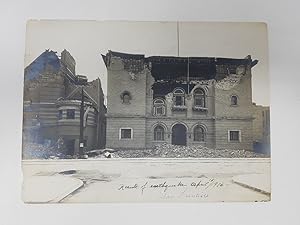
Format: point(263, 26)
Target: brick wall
point(222, 128)
point(261, 123)
point(114, 124)
point(47, 88)
point(243, 91)
point(118, 81)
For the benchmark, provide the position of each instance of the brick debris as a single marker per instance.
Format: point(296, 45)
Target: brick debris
point(177, 151)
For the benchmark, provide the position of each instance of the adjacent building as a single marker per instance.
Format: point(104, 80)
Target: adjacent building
point(178, 100)
point(52, 100)
point(261, 128)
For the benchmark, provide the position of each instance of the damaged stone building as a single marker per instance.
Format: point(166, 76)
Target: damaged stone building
point(178, 100)
point(52, 99)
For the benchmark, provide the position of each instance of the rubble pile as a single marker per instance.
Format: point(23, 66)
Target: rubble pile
point(39, 151)
point(177, 151)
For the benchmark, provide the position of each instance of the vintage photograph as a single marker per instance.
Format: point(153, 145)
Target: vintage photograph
point(118, 111)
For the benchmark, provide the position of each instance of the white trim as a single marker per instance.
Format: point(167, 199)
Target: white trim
point(240, 136)
point(177, 89)
point(125, 138)
point(164, 132)
point(159, 123)
point(204, 132)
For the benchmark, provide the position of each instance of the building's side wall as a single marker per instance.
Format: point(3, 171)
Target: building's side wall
point(114, 125)
point(239, 117)
point(222, 137)
point(118, 81)
point(121, 115)
point(258, 123)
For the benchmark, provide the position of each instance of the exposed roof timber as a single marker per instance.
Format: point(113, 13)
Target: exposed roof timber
point(174, 59)
point(183, 68)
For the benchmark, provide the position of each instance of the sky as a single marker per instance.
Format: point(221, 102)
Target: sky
point(87, 40)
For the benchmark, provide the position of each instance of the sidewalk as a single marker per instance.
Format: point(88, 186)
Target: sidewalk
point(257, 182)
point(48, 189)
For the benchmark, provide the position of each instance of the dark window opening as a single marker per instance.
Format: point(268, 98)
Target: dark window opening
point(70, 146)
point(199, 97)
point(234, 135)
point(60, 114)
point(126, 97)
point(70, 113)
point(178, 100)
point(234, 100)
point(179, 97)
point(126, 134)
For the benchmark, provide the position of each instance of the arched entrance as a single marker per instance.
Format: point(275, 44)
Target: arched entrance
point(179, 134)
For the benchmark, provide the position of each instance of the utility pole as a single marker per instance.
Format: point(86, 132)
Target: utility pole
point(81, 143)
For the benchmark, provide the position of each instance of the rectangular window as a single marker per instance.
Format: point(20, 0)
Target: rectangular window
point(60, 114)
point(199, 101)
point(234, 135)
point(179, 100)
point(126, 133)
point(70, 113)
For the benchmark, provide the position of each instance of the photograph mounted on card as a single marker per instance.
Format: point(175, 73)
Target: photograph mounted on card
point(146, 112)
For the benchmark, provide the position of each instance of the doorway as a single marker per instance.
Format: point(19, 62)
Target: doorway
point(70, 146)
point(179, 134)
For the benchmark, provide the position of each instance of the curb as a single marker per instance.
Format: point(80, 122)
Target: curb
point(245, 183)
point(55, 197)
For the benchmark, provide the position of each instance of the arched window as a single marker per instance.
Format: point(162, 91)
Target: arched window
point(179, 94)
point(159, 108)
point(159, 133)
point(126, 97)
point(199, 98)
point(199, 133)
point(234, 100)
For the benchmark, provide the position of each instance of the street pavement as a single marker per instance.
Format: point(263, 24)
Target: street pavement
point(146, 180)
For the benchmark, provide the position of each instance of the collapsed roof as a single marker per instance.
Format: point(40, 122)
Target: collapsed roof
point(170, 67)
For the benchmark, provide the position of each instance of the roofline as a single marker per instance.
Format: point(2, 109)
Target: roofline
point(214, 60)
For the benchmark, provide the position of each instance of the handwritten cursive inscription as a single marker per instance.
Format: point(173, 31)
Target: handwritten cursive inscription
point(173, 188)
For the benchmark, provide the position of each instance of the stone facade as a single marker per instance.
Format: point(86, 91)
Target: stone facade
point(52, 99)
point(194, 101)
